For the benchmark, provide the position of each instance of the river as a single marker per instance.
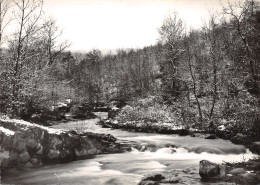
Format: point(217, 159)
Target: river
point(159, 153)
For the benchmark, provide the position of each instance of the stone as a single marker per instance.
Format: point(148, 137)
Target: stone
point(106, 125)
point(210, 136)
point(208, 169)
point(153, 177)
point(255, 147)
point(237, 171)
point(183, 132)
point(73, 132)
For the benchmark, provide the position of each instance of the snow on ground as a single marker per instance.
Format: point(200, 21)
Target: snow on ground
point(6, 131)
point(28, 124)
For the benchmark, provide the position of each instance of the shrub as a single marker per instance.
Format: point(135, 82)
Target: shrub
point(149, 110)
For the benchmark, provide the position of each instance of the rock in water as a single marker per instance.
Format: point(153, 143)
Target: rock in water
point(153, 177)
point(208, 169)
point(211, 136)
point(255, 147)
point(240, 139)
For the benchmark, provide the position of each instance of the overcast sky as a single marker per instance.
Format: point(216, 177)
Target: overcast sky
point(113, 24)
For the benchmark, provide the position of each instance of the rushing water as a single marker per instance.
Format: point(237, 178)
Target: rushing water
point(159, 153)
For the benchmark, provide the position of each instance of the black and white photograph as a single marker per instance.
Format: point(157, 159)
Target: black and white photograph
point(130, 92)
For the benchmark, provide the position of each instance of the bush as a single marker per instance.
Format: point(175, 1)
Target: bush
point(149, 110)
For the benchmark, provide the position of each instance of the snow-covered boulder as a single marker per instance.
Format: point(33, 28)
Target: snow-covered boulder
point(24, 143)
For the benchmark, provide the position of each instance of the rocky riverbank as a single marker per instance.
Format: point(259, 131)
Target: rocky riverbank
point(27, 144)
point(145, 126)
point(247, 173)
point(167, 128)
point(239, 173)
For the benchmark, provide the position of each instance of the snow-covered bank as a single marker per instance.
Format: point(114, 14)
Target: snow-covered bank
point(27, 144)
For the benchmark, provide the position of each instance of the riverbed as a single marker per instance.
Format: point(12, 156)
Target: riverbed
point(158, 153)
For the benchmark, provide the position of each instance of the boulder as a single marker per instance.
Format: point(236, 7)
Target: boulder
point(26, 143)
point(210, 136)
point(255, 147)
point(223, 132)
point(184, 132)
point(229, 172)
point(106, 125)
point(208, 169)
point(240, 139)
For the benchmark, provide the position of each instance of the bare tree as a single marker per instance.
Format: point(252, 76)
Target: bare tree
point(188, 45)
point(171, 33)
point(244, 20)
point(212, 37)
point(5, 6)
point(52, 35)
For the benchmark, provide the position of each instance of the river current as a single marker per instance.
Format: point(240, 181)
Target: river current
point(159, 153)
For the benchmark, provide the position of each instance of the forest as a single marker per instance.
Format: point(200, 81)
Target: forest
point(184, 110)
point(200, 78)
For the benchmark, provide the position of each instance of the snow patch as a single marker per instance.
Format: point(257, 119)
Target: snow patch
point(28, 124)
point(60, 104)
point(7, 131)
point(115, 108)
point(221, 128)
point(115, 122)
point(68, 101)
